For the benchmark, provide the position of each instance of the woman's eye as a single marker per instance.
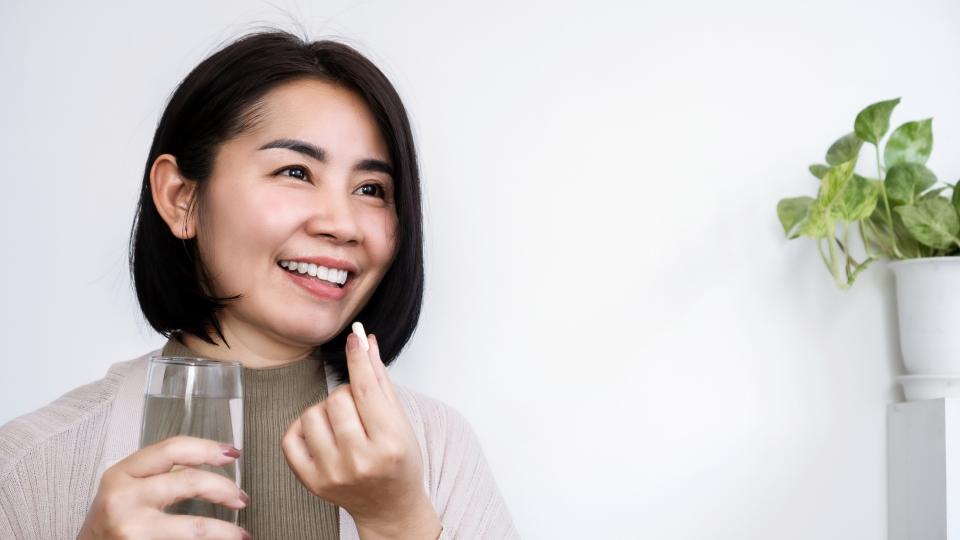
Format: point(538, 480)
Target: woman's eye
point(377, 188)
point(296, 172)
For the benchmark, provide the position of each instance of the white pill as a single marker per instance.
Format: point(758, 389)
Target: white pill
point(361, 334)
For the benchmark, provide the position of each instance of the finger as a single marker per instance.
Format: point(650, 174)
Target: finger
point(386, 383)
point(162, 490)
point(198, 527)
point(160, 457)
point(318, 435)
point(348, 428)
point(371, 402)
point(298, 456)
point(361, 372)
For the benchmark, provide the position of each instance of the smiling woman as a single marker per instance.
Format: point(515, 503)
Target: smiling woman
point(280, 203)
point(308, 182)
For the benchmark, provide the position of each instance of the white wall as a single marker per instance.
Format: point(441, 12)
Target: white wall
point(610, 299)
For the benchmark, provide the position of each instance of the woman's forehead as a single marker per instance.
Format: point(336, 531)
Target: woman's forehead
point(325, 115)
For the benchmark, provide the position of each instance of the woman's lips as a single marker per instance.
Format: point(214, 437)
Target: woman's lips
point(321, 289)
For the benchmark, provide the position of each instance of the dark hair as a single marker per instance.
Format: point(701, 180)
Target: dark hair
point(221, 99)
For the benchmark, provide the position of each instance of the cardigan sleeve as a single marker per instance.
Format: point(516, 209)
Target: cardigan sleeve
point(468, 499)
point(45, 494)
point(50, 459)
point(457, 477)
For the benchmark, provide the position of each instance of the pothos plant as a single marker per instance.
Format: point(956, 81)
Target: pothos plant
point(899, 214)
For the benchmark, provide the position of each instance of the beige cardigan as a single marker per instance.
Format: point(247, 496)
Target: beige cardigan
point(51, 460)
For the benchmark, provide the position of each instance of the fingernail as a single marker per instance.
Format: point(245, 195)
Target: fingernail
point(230, 451)
point(246, 536)
point(351, 342)
point(244, 497)
point(361, 334)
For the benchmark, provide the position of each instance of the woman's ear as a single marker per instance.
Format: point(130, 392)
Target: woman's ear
point(172, 195)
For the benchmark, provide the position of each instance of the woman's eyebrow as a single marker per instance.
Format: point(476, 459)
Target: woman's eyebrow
point(319, 154)
point(302, 147)
point(373, 165)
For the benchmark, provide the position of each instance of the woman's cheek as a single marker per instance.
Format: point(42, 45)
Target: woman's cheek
point(278, 218)
point(381, 228)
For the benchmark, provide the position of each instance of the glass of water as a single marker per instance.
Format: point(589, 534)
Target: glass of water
point(200, 398)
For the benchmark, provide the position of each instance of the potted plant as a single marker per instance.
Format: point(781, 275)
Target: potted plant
point(897, 211)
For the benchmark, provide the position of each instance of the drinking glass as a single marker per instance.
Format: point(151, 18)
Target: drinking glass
point(200, 398)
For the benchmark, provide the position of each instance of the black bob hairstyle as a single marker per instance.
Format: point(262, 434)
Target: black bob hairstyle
point(218, 101)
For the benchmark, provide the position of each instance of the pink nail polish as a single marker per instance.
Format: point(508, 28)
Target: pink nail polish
point(230, 451)
point(351, 343)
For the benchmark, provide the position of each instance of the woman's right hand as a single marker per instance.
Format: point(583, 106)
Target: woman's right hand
point(134, 492)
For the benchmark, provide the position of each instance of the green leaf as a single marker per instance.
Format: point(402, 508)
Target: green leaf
point(844, 149)
point(933, 222)
point(818, 170)
point(933, 193)
point(791, 212)
point(834, 180)
point(906, 241)
point(905, 181)
point(816, 224)
point(857, 201)
point(873, 122)
point(910, 143)
point(956, 198)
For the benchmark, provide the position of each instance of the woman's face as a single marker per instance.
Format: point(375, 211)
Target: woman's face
point(311, 181)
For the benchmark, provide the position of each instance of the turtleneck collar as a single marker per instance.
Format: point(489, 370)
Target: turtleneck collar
point(297, 384)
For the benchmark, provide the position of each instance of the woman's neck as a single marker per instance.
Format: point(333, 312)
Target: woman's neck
point(253, 351)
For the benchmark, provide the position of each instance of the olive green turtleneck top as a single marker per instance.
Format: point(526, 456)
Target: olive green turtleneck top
point(280, 506)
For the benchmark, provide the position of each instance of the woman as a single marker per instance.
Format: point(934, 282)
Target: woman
point(280, 203)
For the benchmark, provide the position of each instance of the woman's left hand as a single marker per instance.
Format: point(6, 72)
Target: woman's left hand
point(357, 449)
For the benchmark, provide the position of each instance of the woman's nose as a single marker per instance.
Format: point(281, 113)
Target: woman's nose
point(333, 217)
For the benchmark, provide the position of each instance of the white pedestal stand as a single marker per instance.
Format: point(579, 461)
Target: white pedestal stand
point(923, 470)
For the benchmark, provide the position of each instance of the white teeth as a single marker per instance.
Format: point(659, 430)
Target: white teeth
point(322, 272)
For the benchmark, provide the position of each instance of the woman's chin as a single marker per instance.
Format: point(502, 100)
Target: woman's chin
point(313, 336)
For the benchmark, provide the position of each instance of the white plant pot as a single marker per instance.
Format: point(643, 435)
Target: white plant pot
point(928, 310)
